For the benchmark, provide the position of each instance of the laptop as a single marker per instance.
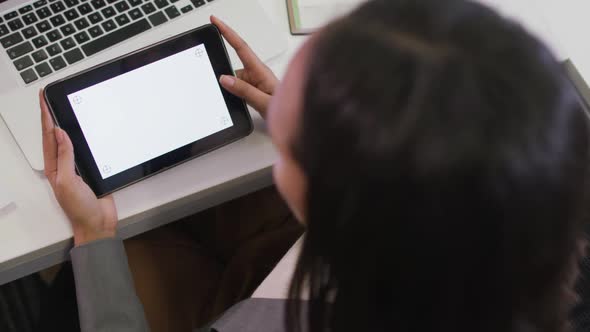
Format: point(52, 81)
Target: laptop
point(45, 40)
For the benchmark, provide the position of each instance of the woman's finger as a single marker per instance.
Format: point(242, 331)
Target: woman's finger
point(253, 96)
point(49, 143)
point(245, 53)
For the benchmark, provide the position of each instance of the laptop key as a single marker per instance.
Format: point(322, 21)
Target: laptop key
point(135, 14)
point(10, 15)
point(67, 43)
point(53, 35)
point(122, 6)
point(4, 30)
point(67, 30)
point(186, 9)
point(82, 37)
point(95, 18)
point(43, 13)
point(157, 18)
point(110, 2)
point(81, 24)
point(148, 8)
point(161, 3)
point(23, 63)
point(84, 8)
point(43, 26)
point(71, 14)
point(109, 25)
point(108, 12)
point(25, 9)
point(134, 3)
point(71, 3)
point(116, 37)
point(73, 56)
point(198, 3)
point(11, 40)
point(53, 49)
point(57, 63)
point(40, 41)
point(172, 12)
point(57, 7)
point(98, 4)
point(122, 19)
point(95, 31)
point(15, 24)
point(57, 20)
point(43, 69)
point(39, 55)
point(20, 50)
point(29, 76)
point(29, 32)
point(30, 18)
point(39, 3)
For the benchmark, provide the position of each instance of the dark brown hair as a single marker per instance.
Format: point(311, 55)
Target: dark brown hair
point(446, 155)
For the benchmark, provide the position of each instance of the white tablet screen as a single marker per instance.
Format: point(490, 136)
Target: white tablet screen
point(150, 111)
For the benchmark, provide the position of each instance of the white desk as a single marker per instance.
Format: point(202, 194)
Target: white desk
point(35, 234)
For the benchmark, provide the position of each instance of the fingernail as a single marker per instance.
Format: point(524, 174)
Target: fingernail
point(228, 80)
point(59, 135)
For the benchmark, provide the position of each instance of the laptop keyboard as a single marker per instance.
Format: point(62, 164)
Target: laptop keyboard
point(45, 36)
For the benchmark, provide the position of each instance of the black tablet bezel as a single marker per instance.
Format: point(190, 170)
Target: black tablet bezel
point(56, 96)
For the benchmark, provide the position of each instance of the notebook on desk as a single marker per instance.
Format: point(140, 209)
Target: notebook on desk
point(306, 16)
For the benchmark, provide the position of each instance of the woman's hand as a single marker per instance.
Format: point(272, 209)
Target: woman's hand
point(91, 218)
point(255, 83)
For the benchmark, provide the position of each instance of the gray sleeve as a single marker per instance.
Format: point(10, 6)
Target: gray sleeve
point(105, 290)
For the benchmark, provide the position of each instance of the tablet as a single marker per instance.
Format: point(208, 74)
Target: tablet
point(149, 110)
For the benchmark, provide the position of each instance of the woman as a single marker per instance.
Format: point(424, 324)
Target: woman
point(437, 156)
